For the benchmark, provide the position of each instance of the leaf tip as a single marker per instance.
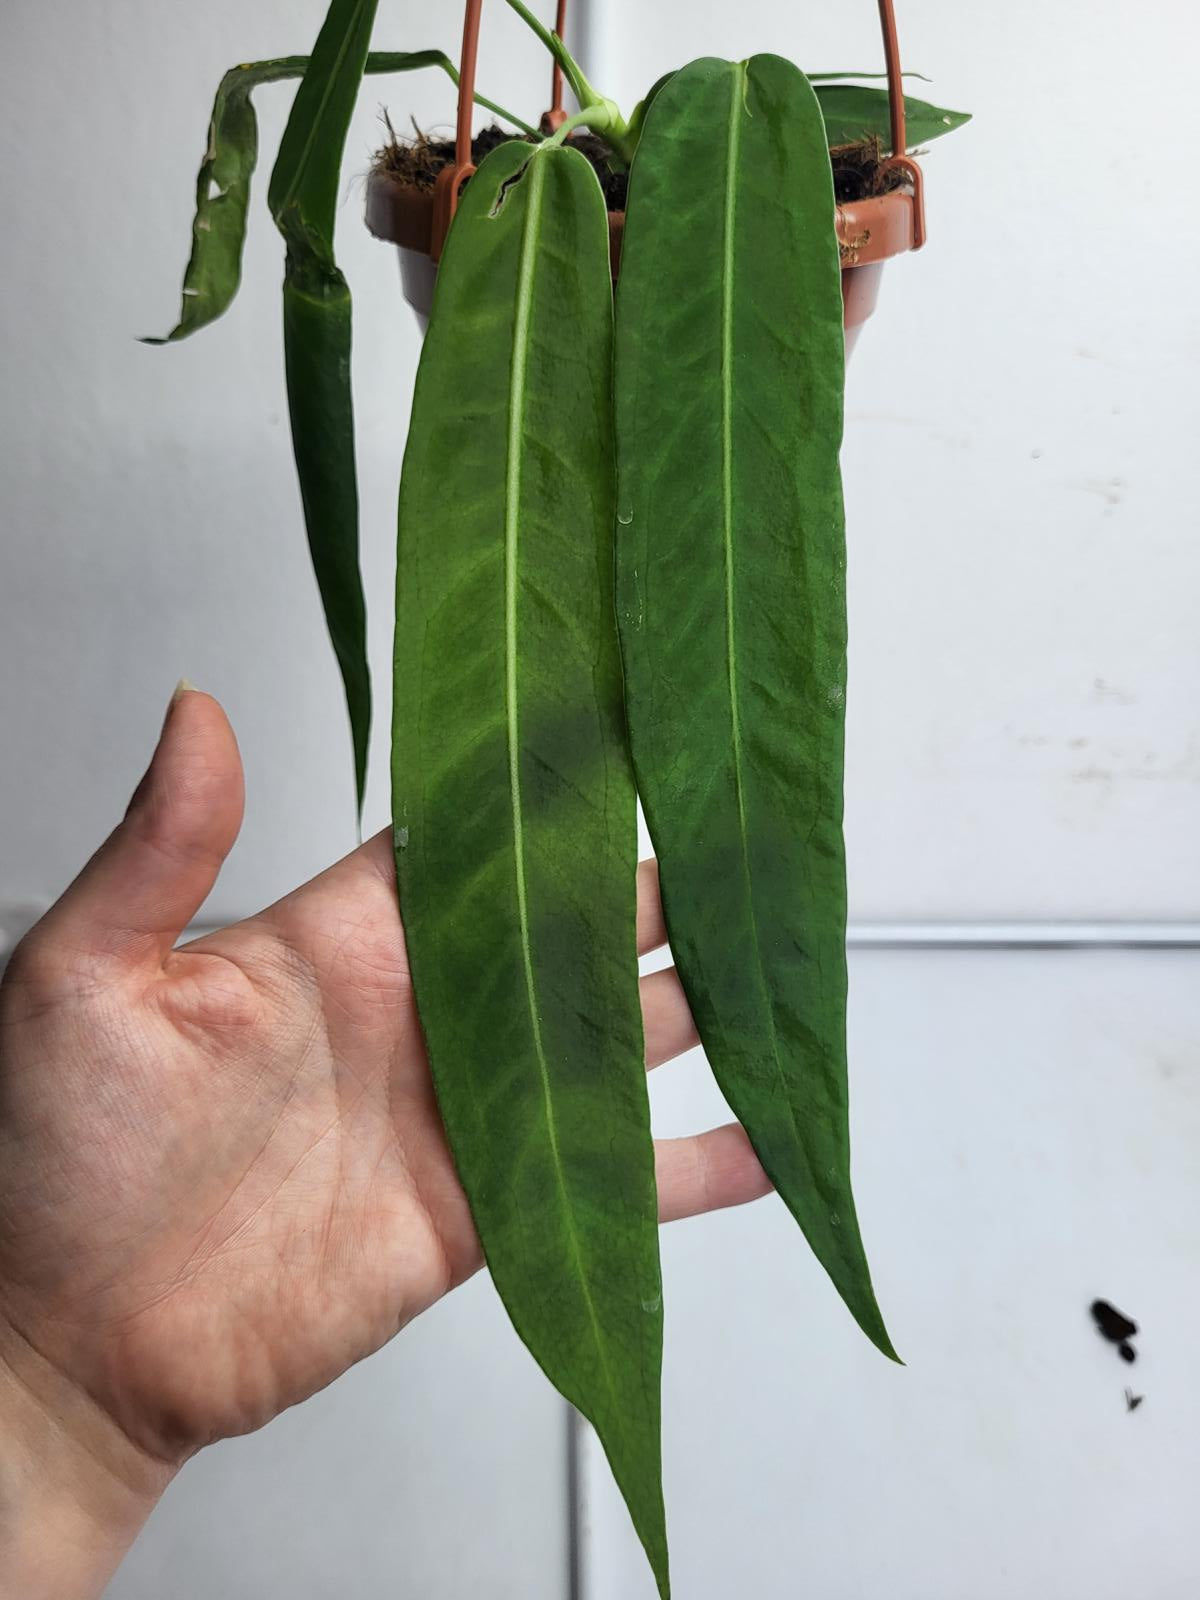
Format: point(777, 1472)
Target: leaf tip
point(870, 1320)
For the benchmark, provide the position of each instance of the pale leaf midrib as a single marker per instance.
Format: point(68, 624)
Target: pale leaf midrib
point(526, 274)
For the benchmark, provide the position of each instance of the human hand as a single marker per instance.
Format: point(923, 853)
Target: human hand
point(223, 1178)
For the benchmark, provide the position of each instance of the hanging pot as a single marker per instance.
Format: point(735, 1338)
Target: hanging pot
point(869, 231)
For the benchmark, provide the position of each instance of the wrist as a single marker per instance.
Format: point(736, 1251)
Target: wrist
point(74, 1489)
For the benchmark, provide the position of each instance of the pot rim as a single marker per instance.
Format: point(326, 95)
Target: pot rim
point(870, 230)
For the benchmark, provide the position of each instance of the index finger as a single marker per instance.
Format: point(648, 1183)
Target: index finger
point(651, 927)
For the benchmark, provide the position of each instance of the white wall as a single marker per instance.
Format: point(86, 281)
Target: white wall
point(1026, 1133)
point(1020, 466)
point(152, 524)
point(1019, 463)
point(1021, 480)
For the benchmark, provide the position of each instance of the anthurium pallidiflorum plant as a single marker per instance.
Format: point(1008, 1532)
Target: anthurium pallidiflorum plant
point(620, 573)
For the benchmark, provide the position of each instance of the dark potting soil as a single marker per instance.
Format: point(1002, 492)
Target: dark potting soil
point(418, 161)
point(858, 169)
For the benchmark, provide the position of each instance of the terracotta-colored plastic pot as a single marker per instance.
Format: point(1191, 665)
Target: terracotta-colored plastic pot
point(869, 231)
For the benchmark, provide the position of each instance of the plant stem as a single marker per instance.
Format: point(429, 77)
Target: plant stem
point(489, 105)
point(580, 87)
point(597, 118)
point(616, 129)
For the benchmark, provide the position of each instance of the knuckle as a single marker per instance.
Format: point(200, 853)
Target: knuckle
point(47, 971)
point(31, 962)
point(32, 978)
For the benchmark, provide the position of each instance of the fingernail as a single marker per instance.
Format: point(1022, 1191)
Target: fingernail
point(184, 686)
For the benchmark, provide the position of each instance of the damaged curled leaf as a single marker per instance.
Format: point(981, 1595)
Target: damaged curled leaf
point(214, 269)
point(317, 306)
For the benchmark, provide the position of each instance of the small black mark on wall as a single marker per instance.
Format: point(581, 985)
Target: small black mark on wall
point(1133, 1401)
point(1116, 1327)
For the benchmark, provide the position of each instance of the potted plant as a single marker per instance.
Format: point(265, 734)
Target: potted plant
point(620, 573)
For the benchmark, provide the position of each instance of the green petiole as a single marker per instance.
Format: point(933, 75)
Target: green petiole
point(616, 129)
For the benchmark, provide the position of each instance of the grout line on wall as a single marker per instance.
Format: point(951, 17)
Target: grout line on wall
point(576, 1580)
point(1023, 935)
point(900, 935)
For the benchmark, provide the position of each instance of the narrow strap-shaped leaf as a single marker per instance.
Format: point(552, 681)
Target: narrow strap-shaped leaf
point(214, 269)
point(853, 112)
point(316, 347)
point(841, 77)
point(317, 343)
point(513, 796)
point(731, 603)
point(307, 168)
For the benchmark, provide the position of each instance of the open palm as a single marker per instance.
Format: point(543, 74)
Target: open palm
point(223, 1178)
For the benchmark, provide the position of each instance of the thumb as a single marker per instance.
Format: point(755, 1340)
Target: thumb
point(150, 877)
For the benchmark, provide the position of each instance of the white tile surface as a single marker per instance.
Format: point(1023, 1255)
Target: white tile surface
point(1027, 1138)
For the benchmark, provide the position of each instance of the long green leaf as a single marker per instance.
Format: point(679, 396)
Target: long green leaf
point(317, 321)
point(637, 117)
point(513, 796)
point(853, 112)
point(731, 604)
point(214, 269)
point(304, 179)
point(316, 346)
